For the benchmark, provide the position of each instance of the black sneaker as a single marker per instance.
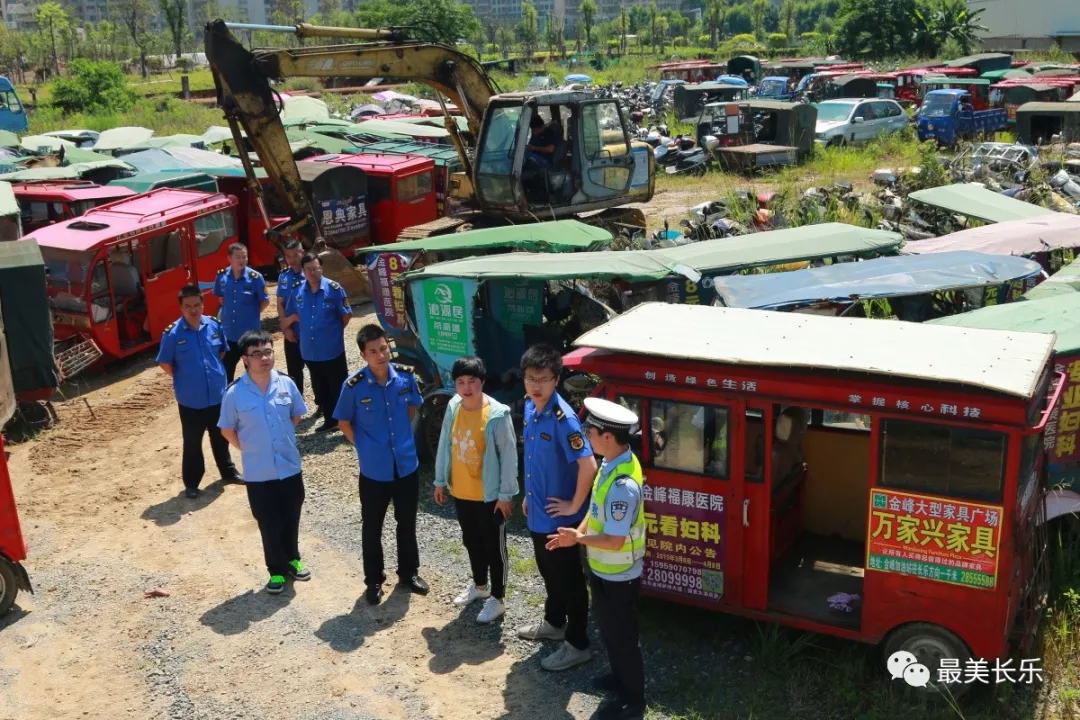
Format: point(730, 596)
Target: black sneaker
point(607, 684)
point(297, 571)
point(373, 594)
point(236, 479)
point(191, 493)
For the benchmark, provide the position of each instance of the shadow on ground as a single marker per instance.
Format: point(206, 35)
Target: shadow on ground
point(169, 512)
point(347, 633)
point(237, 614)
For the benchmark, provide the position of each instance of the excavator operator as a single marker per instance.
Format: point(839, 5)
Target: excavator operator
point(541, 145)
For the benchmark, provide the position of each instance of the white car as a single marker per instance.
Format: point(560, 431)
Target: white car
point(851, 121)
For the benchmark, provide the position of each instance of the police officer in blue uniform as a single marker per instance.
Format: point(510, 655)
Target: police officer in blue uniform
point(559, 472)
point(191, 351)
point(319, 312)
point(375, 413)
point(288, 283)
point(243, 298)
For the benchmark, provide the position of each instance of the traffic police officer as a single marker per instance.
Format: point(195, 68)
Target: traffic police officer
point(190, 353)
point(613, 534)
point(559, 472)
point(288, 283)
point(243, 298)
point(375, 412)
point(319, 311)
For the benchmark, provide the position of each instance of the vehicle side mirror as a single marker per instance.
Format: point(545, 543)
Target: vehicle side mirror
point(857, 120)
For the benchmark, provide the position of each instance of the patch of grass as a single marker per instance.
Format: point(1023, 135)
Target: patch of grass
point(165, 116)
point(452, 548)
point(521, 564)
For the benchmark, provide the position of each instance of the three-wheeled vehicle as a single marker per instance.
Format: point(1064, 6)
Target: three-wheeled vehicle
point(776, 87)
point(831, 84)
point(977, 90)
point(114, 273)
point(784, 124)
point(1052, 240)
point(1038, 123)
point(447, 162)
point(844, 476)
point(13, 576)
point(1011, 94)
point(10, 214)
point(949, 116)
point(907, 81)
point(693, 72)
point(983, 62)
point(1064, 282)
point(745, 66)
point(689, 99)
point(909, 287)
point(12, 112)
point(973, 200)
point(1058, 314)
point(45, 203)
point(400, 191)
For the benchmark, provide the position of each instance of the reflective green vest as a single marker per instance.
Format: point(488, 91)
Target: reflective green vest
point(613, 562)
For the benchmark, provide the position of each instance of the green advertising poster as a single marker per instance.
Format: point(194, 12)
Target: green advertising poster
point(446, 326)
point(517, 303)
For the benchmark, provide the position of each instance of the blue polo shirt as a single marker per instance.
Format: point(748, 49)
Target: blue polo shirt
point(382, 433)
point(625, 492)
point(554, 443)
point(241, 301)
point(263, 423)
point(319, 328)
point(288, 283)
point(195, 355)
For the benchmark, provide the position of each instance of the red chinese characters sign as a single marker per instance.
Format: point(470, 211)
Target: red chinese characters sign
point(389, 298)
point(1059, 437)
point(935, 538)
point(684, 545)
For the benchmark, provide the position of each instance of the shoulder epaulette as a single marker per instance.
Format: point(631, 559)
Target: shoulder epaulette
point(559, 414)
point(170, 326)
point(351, 382)
point(222, 271)
point(252, 274)
point(335, 285)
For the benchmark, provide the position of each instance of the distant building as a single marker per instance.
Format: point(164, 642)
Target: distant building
point(1029, 25)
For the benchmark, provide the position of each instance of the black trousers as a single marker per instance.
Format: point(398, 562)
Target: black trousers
point(615, 607)
point(567, 603)
point(231, 360)
point(276, 506)
point(294, 364)
point(327, 376)
point(483, 532)
point(375, 498)
point(194, 424)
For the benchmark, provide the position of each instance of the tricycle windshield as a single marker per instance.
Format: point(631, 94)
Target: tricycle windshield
point(772, 87)
point(833, 113)
point(68, 273)
point(937, 106)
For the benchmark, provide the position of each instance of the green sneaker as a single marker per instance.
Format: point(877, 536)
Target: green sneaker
point(276, 584)
point(297, 571)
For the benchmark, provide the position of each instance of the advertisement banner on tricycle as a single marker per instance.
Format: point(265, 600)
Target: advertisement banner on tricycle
point(445, 321)
point(684, 546)
point(1059, 438)
point(517, 303)
point(934, 538)
point(389, 299)
point(341, 216)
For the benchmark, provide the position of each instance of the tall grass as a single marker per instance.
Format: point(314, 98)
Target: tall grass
point(164, 116)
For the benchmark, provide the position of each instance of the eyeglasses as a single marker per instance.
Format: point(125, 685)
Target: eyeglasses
point(539, 381)
point(261, 354)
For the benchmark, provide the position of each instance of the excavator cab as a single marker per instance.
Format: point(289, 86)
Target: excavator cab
point(557, 154)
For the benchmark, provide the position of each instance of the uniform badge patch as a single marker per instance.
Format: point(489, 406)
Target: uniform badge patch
point(404, 391)
point(545, 436)
point(618, 510)
point(576, 441)
point(365, 400)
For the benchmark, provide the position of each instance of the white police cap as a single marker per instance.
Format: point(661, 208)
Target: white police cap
point(608, 416)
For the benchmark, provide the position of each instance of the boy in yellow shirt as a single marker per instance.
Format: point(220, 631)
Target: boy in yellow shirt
point(477, 464)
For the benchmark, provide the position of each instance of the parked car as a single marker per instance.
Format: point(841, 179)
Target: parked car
point(854, 120)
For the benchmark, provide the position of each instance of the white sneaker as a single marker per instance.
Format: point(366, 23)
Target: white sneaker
point(493, 608)
point(472, 593)
point(566, 657)
point(542, 630)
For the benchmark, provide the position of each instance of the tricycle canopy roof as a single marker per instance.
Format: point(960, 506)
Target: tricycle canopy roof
point(72, 191)
point(1009, 363)
point(1056, 108)
point(946, 80)
point(1064, 282)
point(1012, 237)
point(129, 217)
point(1058, 314)
point(557, 236)
point(974, 59)
point(8, 205)
point(976, 201)
point(145, 182)
point(880, 278)
point(811, 242)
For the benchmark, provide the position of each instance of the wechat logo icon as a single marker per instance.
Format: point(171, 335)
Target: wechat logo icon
point(903, 664)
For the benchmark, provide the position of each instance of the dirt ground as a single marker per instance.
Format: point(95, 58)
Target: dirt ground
point(103, 512)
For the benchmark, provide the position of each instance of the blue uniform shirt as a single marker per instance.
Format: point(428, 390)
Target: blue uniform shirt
point(264, 425)
point(379, 415)
point(627, 492)
point(554, 443)
point(320, 329)
point(241, 301)
point(195, 355)
point(288, 283)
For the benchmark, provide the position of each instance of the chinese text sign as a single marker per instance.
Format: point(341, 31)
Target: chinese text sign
point(684, 546)
point(445, 316)
point(383, 268)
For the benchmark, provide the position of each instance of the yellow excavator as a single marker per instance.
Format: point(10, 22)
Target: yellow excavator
point(594, 169)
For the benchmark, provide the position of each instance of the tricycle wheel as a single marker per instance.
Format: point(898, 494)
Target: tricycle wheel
point(9, 586)
point(430, 426)
point(930, 644)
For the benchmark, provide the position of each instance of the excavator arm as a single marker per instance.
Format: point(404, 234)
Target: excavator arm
point(243, 79)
